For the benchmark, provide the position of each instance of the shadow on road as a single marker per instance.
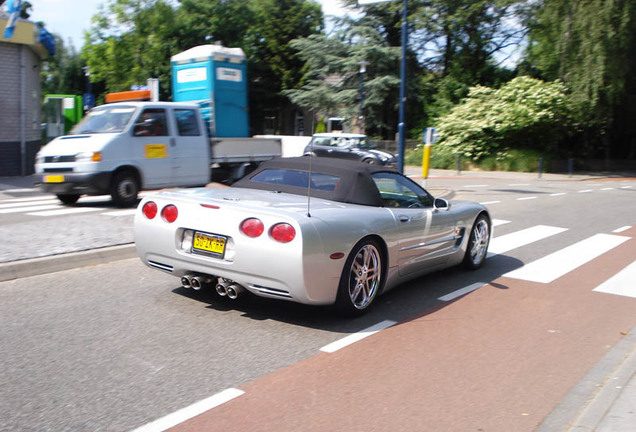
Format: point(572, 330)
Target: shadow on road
point(410, 300)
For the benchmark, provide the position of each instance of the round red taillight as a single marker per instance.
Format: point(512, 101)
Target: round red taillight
point(252, 227)
point(283, 232)
point(170, 213)
point(149, 210)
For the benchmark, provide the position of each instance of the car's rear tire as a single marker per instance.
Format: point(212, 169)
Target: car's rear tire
point(124, 189)
point(361, 280)
point(478, 241)
point(68, 198)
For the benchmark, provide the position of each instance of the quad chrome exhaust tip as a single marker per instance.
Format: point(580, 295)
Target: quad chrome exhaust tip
point(233, 291)
point(195, 282)
point(186, 281)
point(228, 288)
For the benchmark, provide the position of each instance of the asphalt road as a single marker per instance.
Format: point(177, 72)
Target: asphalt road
point(115, 346)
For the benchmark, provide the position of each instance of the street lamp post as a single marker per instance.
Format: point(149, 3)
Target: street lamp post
point(363, 70)
point(401, 121)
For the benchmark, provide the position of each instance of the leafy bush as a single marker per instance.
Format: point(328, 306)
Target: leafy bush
point(524, 113)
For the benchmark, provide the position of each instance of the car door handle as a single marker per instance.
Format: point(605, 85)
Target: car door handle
point(405, 219)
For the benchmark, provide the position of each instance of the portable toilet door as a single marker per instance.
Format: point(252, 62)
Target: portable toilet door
point(216, 78)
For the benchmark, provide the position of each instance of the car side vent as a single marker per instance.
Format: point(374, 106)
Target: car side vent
point(271, 291)
point(160, 266)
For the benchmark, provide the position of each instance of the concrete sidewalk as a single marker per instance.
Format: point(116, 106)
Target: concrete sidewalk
point(604, 401)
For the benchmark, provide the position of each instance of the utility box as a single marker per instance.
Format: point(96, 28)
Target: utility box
point(215, 77)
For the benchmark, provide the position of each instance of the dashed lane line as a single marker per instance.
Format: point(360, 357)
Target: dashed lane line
point(178, 417)
point(355, 337)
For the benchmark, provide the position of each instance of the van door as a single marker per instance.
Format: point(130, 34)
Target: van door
point(151, 148)
point(191, 149)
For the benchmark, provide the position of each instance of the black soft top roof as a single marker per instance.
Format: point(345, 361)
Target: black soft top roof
point(355, 184)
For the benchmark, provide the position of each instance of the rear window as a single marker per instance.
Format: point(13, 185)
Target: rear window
point(297, 178)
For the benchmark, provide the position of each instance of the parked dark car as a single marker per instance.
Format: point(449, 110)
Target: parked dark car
point(348, 146)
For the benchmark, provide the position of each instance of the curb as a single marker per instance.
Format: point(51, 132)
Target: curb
point(592, 399)
point(55, 263)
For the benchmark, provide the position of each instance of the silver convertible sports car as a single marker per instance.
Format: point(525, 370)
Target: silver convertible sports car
point(310, 230)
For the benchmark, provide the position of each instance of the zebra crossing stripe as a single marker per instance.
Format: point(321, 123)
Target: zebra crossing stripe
point(27, 204)
point(557, 264)
point(508, 242)
point(32, 208)
point(622, 283)
point(66, 211)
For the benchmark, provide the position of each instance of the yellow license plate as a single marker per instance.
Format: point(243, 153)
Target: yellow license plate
point(210, 244)
point(53, 179)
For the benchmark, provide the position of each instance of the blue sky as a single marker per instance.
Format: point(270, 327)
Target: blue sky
point(69, 18)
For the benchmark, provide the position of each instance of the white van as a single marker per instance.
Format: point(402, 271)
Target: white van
point(120, 148)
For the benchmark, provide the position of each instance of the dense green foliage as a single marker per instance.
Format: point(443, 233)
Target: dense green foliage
point(555, 78)
point(524, 113)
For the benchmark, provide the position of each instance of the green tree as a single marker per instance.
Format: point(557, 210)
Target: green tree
point(274, 65)
point(131, 41)
point(590, 46)
point(63, 72)
point(332, 81)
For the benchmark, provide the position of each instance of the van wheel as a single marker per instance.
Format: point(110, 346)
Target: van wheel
point(124, 189)
point(68, 198)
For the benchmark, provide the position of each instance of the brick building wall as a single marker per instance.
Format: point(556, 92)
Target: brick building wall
point(20, 101)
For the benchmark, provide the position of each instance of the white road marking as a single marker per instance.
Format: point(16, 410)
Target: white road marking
point(25, 204)
point(346, 341)
point(35, 198)
point(497, 222)
point(33, 207)
point(489, 202)
point(585, 191)
point(526, 198)
point(508, 242)
point(553, 266)
point(558, 194)
point(191, 411)
point(64, 211)
point(475, 186)
point(626, 187)
point(462, 291)
point(607, 188)
point(621, 229)
point(622, 283)
point(126, 212)
point(519, 184)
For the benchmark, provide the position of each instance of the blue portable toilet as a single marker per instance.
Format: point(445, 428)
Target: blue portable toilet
point(215, 77)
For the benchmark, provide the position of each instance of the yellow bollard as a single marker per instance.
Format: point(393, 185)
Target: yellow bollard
point(426, 160)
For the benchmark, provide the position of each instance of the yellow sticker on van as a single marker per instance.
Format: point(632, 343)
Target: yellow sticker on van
point(156, 151)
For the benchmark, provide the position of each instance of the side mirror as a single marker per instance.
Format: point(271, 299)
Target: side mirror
point(441, 204)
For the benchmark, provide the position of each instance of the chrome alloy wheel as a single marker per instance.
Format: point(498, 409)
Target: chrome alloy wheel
point(480, 239)
point(365, 276)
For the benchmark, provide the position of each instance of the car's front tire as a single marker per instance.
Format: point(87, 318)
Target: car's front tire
point(361, 279)
point(124, 189)
point(477, 248)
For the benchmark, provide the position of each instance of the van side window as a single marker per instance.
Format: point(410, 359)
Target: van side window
point(187, 122)
point(152, 122)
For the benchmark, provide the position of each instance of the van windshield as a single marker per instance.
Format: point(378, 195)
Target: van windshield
point(105, 119)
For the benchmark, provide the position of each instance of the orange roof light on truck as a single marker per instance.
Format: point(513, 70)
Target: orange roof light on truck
point(128, 96)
